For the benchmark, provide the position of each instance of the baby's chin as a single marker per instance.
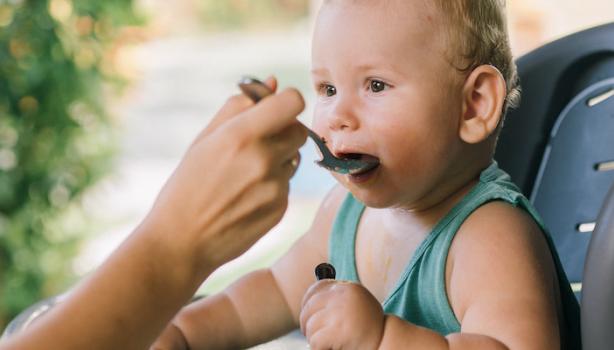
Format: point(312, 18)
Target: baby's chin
point(373, 200)
point(381, 200)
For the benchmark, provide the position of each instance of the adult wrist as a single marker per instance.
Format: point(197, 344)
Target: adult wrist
point(171, 255)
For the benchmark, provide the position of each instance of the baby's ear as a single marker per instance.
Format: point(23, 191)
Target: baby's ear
point(483, 97)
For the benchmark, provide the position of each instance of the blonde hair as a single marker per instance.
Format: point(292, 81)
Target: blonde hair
point(478, 34)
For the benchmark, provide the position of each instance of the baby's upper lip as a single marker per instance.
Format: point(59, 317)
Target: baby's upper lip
point(351, 153)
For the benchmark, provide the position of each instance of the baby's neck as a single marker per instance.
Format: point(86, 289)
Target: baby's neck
point(429, 216)
point(430, 209)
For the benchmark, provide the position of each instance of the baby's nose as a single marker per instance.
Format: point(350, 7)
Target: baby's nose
point(341, 124)
point(343, 118)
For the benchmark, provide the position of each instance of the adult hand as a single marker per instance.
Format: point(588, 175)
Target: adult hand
point(232, 185)
point(230, 188)
point(341, 315)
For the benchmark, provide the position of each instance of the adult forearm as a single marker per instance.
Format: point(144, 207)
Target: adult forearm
point(399, 334)
point(125, 304)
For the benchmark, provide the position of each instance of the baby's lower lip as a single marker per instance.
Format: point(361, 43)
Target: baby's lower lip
point(363, 177)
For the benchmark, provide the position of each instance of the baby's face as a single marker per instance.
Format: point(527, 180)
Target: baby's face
point(385, 89)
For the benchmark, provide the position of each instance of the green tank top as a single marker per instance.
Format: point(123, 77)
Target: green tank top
point(420, 293)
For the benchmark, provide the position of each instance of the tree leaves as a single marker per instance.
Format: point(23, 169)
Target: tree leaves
point(54, 140)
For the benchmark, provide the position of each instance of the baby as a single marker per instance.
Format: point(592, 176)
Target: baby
point(434, 248)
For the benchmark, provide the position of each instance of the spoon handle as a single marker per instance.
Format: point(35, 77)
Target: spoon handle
point(256, 91)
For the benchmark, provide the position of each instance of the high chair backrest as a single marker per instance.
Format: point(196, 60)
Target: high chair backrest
point(558, 146)
point(598, 286)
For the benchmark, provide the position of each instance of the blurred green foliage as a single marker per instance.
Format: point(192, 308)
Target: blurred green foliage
point(55, 137)
point(242, 14)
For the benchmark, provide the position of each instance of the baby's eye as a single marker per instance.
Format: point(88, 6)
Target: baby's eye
point(328, 90)
point(377, 86)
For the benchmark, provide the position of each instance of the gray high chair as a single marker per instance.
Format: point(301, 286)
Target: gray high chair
point(558, 146)
point(598, 286)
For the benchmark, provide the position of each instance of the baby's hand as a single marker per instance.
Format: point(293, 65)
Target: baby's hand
point(341, 315)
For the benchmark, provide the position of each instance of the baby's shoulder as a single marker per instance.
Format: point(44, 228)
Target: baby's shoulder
point(500, 260)
point(327, 213)
point(501, 229)
point(499, 221)
point(499, 243)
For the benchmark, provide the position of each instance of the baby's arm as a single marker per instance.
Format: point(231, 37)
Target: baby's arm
point(501, 283)
point(260, 306)
point(502, 287)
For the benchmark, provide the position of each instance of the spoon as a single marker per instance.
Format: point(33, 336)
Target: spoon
point(256, 90)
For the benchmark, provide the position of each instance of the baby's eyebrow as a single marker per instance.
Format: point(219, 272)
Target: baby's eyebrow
point(367, 67)
point(362, 68)
point(319, 71)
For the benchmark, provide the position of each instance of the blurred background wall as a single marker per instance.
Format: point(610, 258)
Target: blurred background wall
point(533, 23)
point(99, 100)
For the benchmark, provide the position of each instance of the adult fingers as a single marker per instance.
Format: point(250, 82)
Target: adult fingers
point(271, 82)
point(287, 169)
point(263, 218)
point(233, 106)
point(272, 115)
point(293, 136)
point(287, 143)
point(249, 217)
point(291, 166)
point(237, 104)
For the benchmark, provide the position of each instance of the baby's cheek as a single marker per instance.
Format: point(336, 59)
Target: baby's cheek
point(318, 123)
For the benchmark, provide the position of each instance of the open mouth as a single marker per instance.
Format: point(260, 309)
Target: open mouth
point(365, 163)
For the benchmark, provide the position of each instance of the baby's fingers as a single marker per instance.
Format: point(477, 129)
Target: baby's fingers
point(317, 298)
point(316, 323)
point(316, 288)
point(324, 339)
